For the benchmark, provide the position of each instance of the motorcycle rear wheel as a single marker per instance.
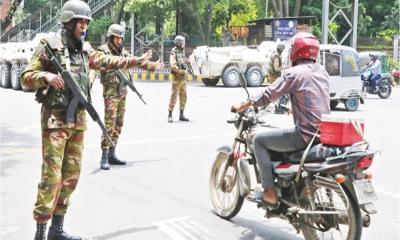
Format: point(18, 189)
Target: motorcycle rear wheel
point(351, 218)
point(385, 90)
point(225, 198)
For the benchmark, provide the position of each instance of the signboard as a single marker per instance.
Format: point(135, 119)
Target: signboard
point(284, 29)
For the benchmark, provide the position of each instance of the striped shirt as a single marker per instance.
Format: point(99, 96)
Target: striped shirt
point(308, 86)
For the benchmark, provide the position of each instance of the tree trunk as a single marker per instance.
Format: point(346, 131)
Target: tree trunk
point(275, 8)
point(286, 8)
point(118, 11)
point(297, 8)
point(280, 8)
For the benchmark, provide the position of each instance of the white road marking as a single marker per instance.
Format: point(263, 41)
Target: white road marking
point(7, 230)
point(184, 228)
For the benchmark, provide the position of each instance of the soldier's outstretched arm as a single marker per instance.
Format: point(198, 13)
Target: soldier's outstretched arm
point(98, 60)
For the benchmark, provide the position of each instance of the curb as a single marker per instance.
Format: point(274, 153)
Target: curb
point(153, 76)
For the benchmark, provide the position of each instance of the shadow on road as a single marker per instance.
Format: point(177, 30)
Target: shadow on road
point(129, 164)
point(259, 229)
point(121, 232)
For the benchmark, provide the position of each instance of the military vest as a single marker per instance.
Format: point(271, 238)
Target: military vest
point(272, 69)
point(180, 58)
point(109, 81)
point(73, 60)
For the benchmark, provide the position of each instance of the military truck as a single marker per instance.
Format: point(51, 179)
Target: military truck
point(14, 57)
point(213, 63)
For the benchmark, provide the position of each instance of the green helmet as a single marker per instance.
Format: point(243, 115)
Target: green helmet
point(73, 9)
point(280, 47)
point(179, 39)
point(115, 30)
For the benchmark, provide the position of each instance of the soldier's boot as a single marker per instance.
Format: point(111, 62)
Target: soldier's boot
point(56, 231)
point(170, 117)
point(182, 117)
point(113, 159)
point(40, 231)
point(104, 160)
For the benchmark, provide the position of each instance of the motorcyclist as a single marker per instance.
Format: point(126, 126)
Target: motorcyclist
point(307, 84)
point(375, 67)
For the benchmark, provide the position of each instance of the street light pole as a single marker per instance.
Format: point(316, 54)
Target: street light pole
point(133, 34)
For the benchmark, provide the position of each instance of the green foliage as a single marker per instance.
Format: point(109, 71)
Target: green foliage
point(393, 64)
point(98, 28)
point(388, 34)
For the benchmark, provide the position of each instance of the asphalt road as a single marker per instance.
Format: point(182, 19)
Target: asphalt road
point(163, 191)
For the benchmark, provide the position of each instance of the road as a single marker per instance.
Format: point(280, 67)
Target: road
point(163, 191)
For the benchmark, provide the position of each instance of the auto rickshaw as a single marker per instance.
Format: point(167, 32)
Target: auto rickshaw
point(344, 75)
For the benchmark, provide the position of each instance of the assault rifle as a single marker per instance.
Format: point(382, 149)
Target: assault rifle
point(124, 81)
point(79, 97)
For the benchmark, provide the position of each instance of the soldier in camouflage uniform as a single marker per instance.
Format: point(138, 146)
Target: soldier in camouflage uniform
point(275, 63)
point(62, 143)
point(114, 98)
point(179, 71)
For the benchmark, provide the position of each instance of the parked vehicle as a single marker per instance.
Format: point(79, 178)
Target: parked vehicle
point(213, 63)
point(13, 60)
point(329, 196)
point(344, 75)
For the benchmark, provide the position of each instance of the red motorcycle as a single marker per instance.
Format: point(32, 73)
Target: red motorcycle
point(324, 190)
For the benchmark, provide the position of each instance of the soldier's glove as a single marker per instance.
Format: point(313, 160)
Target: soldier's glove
point(54, 80)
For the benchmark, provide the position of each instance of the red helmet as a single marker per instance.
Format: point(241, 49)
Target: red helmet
point(304, 46)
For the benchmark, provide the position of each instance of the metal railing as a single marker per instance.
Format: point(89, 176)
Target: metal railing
point(53, 23)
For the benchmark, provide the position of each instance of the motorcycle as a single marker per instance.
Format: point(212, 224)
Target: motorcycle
point(384, 86)
point(323, 191)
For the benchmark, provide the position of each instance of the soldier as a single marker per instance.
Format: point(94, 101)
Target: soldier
point(114, 99)
point(178, 70)
point(62, 142)
point(275, 63)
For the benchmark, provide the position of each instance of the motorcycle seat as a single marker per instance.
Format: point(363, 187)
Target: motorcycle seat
point(317, 153)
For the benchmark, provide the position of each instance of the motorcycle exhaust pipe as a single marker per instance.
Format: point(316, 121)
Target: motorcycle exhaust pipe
point(366, 220)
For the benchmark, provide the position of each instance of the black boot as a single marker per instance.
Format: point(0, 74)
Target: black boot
point(182, 117)
point(113, 159)
point(40, 231)
point(56, 231)
point(170, 117)
point(104, 160)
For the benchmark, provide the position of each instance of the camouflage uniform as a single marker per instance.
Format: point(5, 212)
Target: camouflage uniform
point(178, 87)
point(275, 67)
point(114, 101)
point(62, 143)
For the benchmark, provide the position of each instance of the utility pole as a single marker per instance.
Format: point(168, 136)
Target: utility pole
point(162, 43)
point(325, 21)
point(354, 15)
point(133, 34)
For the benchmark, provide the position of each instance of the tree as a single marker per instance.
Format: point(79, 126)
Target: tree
point(281, 8)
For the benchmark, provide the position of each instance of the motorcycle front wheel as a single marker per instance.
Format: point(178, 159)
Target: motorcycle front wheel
point(224, 190)
point(345, 225)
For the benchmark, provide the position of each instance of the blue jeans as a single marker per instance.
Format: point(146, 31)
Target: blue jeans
point(279, 140)
point(375, 80)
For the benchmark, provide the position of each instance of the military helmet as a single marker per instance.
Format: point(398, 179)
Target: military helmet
point(115, 30)
point(280, 47)
point(73, 9)
point(179, 39)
